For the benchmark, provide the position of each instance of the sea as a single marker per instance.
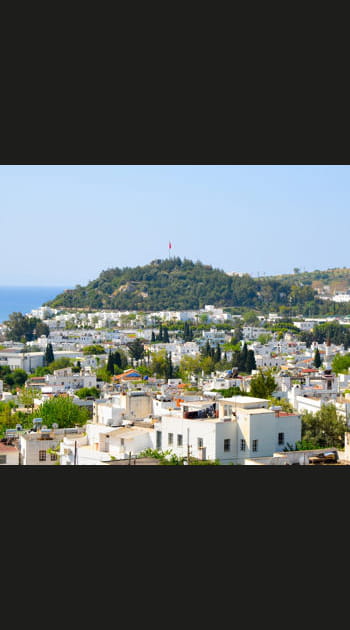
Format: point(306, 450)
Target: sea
point(24, 299)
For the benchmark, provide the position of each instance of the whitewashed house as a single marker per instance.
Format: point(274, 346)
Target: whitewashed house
point(102, 443)
point(131, 405)
point(35, 447)
point(9, 455)
point(228, 430)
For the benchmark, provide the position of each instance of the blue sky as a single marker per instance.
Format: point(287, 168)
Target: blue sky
point(63, 225)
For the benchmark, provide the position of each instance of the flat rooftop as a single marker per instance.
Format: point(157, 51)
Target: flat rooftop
point(244, 401)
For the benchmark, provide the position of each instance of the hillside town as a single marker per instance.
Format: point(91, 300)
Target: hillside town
point(177, 387)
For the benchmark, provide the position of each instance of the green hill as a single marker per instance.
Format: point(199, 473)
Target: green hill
point(176, 284)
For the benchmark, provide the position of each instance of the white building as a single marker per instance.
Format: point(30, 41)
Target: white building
point(102, 443)
point(131, 405)
point(65, 379)
point(27, 361)
point(35, 447)
point(9, 455)
point(241, 427)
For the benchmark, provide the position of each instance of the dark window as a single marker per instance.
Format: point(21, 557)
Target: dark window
point(42, 456)
point(159, 439)
point(199, 442)
point(227, 445)
point(179, 439)
point(242, 445)
point(255, 445)
point(170, 438)
point(281, 438)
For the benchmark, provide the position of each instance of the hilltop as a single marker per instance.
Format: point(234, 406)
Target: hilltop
point(176, 284)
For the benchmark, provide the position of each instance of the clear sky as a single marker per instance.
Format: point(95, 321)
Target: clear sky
point(63, 225)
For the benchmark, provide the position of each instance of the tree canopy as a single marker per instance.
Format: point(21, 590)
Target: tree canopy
point(62, 411)
point(23, 328)
point(262, 385)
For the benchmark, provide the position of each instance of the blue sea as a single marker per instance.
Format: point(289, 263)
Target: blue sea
point(24, 299)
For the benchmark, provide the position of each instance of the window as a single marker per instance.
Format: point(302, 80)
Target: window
point(53, 457)
point(42, 456)
point(199, 442)
point(281, 438)
point(227, 445)
point(170, 438)
point(242, 445)
point(179, 439)
point(159, 439)
point(2, 459)
point(121, 441)
point(255, 445)
point(227, 410)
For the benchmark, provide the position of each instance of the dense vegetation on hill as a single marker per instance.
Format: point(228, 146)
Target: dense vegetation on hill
point(182, 284)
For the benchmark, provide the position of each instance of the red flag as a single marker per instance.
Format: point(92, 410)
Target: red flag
point(169, 245)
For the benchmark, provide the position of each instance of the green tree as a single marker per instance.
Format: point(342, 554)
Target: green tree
point(281, 402)
point(317, 359)
point(341, 363)
point(94, 349)
point(59, 364)
point(169, 370)
point(165, 335)
point(187, 332)
point(207, 364)
point(264, 338)
point(250, 362)
point(86, 392)
point(262, 385)
point(160, 334)
point(189, 365)
point(242, 359)
point(49, 355)
point(62, 411)
point(136, 349)
point(110, 363)
point(26, 397)
point(102, 374)
point(250, 318)
point(16, 378)
point(41, 371)
point(20, 327)
point(159, 363)
point(325, 428)
point(217, 354)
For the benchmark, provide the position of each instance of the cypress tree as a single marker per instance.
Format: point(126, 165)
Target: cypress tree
point(117, 360)
point(250, 363)
point(165, 335)
point(168, 366)
point(242, 358)
point(153, 338)
point(185, 331)
point(217, 354)
point(110, 363)
point(317, 358)
point(206, 350)
point(49, 356)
